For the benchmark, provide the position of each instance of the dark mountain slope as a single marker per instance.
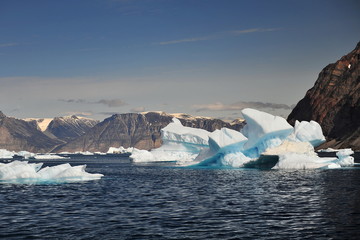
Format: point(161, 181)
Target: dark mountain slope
point(334, 102)
point(17, 135)
point(70, 127)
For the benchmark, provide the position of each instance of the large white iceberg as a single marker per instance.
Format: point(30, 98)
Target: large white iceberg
point(25, 172)
point(264, 138)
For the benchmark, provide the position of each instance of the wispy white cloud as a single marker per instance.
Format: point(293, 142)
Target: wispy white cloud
point(3, 45)
point(195, 39)
point(253, 30)
point(219, 35)
point(80, 114)
point(238, 106)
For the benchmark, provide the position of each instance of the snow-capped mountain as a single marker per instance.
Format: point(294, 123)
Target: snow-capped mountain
point(70, 127)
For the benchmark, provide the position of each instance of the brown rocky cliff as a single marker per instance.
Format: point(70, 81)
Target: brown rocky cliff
point(334, 102)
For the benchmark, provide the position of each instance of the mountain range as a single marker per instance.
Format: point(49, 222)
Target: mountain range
point(74, 134)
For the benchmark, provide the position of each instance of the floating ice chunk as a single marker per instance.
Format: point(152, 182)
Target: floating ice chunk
point(328, 150)
point(309, 161)
point(120, 150)
point(142, 156)
point(309, 132)
point(24, 172)
point(263, 131)
point(5, 154)
point(25, 154)
point(345, 160)
point(87, 153)
point(48, 156)
point(176, 132)
point(304, 161)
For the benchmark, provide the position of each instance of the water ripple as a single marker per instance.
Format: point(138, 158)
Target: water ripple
point(149, 202)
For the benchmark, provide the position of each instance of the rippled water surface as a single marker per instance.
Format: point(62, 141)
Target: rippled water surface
point(163, 202)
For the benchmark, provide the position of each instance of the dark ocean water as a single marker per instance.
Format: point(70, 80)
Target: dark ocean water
point(157, 201)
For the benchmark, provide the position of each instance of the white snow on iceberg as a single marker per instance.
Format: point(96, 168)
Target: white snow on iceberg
point(176, 132)
point(309, 132)
point(25, 172)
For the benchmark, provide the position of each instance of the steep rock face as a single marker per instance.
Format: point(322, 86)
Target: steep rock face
point(69, 127)
point(135, 130)
point(334, 102)
point(17, 135)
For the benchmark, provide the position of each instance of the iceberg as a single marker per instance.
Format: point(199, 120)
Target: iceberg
point(47, 156)
point(345, 160)
point(266, 140)
point(5, 154)
point(26, 154)
point(25, 172)
point(119, 150)
point(87, 153)
point(304, 161)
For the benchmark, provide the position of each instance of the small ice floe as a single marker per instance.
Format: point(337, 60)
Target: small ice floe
point(25, 172)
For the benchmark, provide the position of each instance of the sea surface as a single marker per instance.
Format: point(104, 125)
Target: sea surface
point(160, 201)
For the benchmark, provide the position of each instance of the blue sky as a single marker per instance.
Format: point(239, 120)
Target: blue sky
point(202, 57)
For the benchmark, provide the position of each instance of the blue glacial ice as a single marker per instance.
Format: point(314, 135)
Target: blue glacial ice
point(25, 172)
point(263, 136)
